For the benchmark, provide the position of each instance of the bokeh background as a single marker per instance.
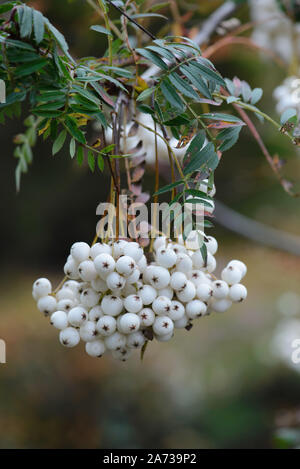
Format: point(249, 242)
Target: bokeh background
point(230, 381)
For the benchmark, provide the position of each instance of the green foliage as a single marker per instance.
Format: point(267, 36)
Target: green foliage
point(65, 96)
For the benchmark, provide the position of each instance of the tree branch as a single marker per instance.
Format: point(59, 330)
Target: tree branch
point(256, 231)
point(207, 29)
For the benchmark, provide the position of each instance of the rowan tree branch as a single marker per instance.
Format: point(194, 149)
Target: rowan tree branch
point(256, 231)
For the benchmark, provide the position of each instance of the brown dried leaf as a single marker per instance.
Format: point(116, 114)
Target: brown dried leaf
point(138, 173)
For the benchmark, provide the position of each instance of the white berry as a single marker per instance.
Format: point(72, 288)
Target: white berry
point(95, 348)
point(89, 298)
point(115, 341)
point(204, 292)
point(147, 317)
point(41, 287)
point(88, 331)
point(80, 251)
point(237, 293)
point(195, 308)
point(106, 325)
point(87, 271)
point(133, 303)
point(147, 294)
point(125, 265)
point(163, 325)
point(47, 305)
point(231, 275)
point(69, 337)
point(162, 305)
point(220, 289)
point(135, 340)
point(77, 316)
point(59, 320)
point(112, 305)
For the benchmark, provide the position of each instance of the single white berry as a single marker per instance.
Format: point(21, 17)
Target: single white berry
point(88, 331)
point(69, 337)
point(112, 305)
point(197, 277)
point(66, 305)
point(65, 294)
point(95, 348)
point(99, 248)
point(182, 322)
point(177, 310)
point(118, 248)
point(71, 269)
point(115, 281)
point(106, 325)
point(89, 298)
point(47, 305)
point(204, 292)
point(147, 317)
point(220, 289)
point(231, 275)
point(99, 285)
point(195, 309)
point(178, 281)
point(211, 244)
point(166, 257)
point(133, 303)
point(162, 305)
point(240, 265)
point(87, 271)
point(41, 287)
point(159, 277)
point(238, 293)
point(115, 341)
point(135, 340)
point(80, 251)
point(95, 313)
point(77, 316)
point(167, 291)
point(147, 294)
point(59, 319)
point(125, 265)
point(163, 325)
point(129, 322)
point(220, 306)
point(133, 250)
point(188, 293)
point(104, 264)
point(184, 263)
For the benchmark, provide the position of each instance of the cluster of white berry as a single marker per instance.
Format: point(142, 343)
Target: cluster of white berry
point(128, 141)
point(287, 95)
point(274, 30)
point(114, 300)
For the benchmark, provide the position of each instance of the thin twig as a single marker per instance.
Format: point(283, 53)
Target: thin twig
point(132, 20)
point(263, 148)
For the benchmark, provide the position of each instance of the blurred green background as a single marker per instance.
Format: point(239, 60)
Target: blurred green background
point(229, 382)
